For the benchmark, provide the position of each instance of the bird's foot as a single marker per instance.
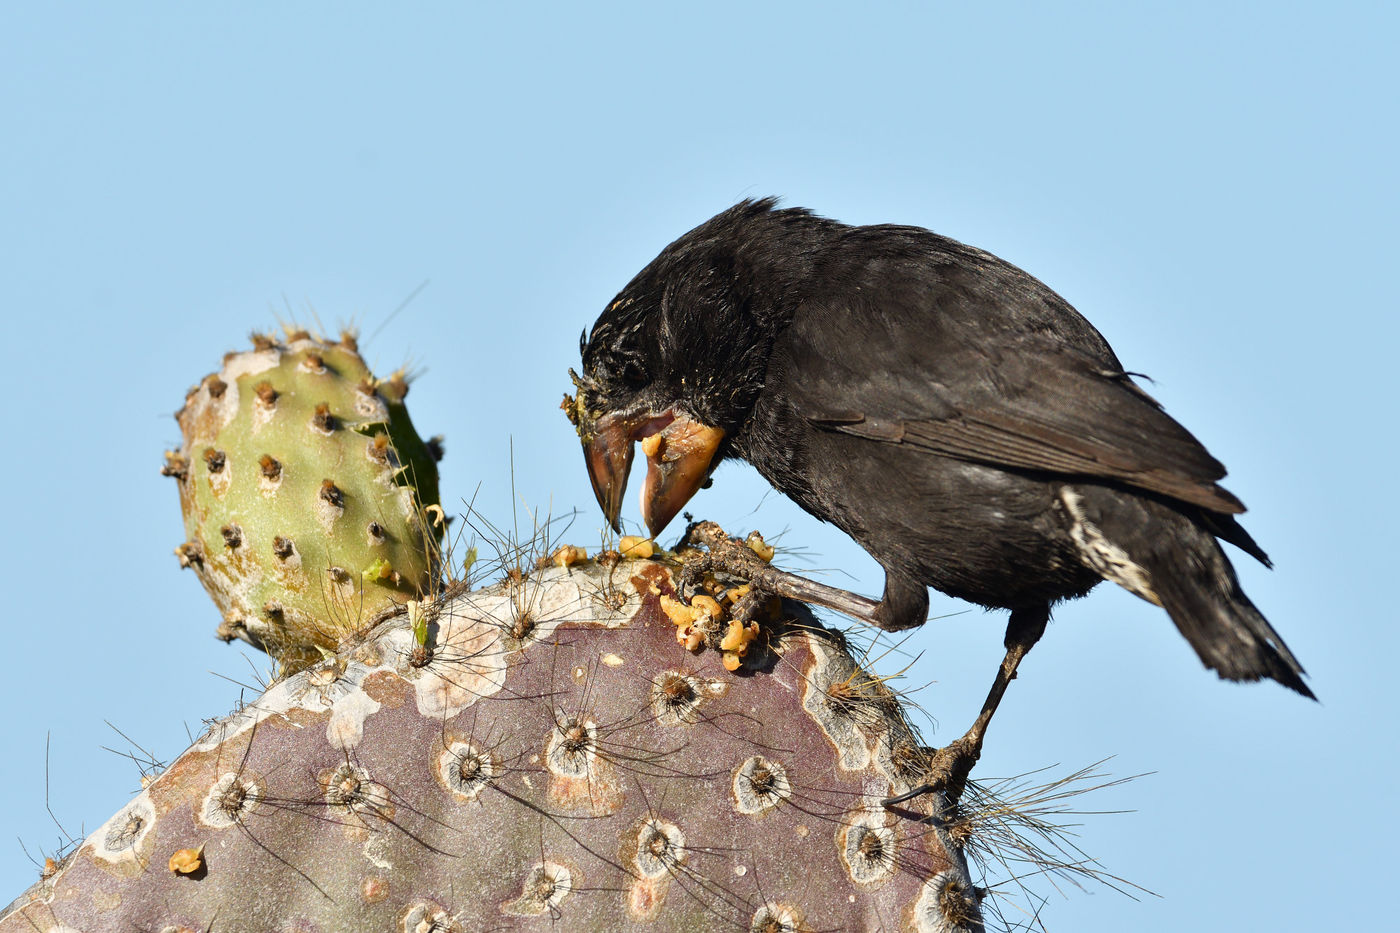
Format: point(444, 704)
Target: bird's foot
point(743, 560)
point(737, 619)
point(748, 560)
point(951, 764)
point(947, 773)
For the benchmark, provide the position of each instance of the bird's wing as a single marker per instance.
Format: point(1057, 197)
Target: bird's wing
point(962, 375)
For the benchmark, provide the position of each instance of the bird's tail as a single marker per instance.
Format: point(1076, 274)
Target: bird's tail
point(1175, 561)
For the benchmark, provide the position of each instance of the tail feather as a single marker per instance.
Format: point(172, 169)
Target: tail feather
point(1199, 590)
point(1226, 528)
point(1174, 560)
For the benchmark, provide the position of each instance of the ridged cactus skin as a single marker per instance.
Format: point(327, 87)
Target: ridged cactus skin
point(304, 488)
point(549, 759)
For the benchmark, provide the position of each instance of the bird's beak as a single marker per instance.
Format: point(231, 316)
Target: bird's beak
point(607, 449)
point(680, 455)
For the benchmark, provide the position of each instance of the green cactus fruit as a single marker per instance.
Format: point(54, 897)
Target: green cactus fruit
point(308, 497)
point(539, 755)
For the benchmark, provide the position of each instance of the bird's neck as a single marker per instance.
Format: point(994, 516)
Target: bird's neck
point(776, 263)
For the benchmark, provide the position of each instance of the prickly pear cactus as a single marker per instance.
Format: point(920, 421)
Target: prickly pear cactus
point(541, 755)
point(304, 489)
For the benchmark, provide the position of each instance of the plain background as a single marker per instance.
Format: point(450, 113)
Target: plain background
point(1213, 185)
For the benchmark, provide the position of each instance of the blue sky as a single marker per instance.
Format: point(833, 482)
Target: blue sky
point(1213, 185)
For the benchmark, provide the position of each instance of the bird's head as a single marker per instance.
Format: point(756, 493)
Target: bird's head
point(676, 361)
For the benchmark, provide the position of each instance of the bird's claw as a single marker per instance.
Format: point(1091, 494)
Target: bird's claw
point(722, 554)
point(750, 606)
point(947, 774)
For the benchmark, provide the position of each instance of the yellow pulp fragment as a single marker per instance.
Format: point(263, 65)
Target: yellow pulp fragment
point(738, 636)
point(707, 605)
point(568, 554)
point(762, 548)
point(187, 861)
point(678, 612)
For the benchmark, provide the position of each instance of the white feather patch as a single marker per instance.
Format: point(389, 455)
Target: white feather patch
point(1101, 555)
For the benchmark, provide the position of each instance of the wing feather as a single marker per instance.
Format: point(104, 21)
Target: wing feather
point(989, 366)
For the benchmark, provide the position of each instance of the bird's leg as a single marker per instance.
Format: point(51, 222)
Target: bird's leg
point(953, 762)
point(735, 558)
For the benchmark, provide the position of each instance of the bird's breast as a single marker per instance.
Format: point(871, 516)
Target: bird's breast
point(992, 536)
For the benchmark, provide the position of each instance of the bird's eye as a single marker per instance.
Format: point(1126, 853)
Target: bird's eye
point(633, 375)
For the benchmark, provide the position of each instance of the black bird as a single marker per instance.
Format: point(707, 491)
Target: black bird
point(961, 421)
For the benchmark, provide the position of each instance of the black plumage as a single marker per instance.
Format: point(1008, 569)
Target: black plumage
point(955, 416)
